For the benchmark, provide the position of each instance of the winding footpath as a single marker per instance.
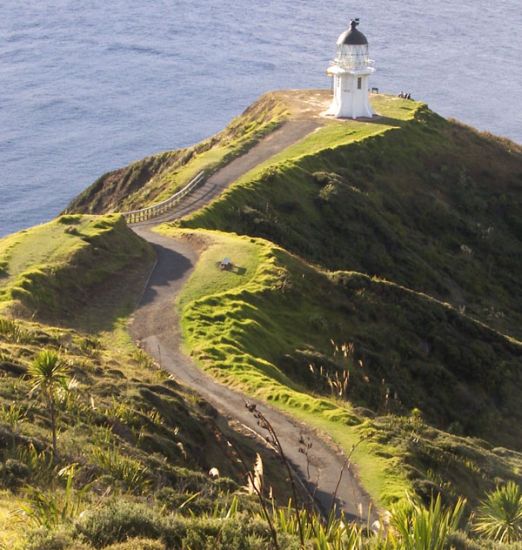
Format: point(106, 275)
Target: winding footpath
point(156, 327)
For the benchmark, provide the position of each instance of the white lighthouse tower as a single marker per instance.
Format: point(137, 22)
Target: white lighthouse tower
point(350, 70)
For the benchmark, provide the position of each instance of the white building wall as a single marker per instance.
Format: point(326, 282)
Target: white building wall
point(350, 100)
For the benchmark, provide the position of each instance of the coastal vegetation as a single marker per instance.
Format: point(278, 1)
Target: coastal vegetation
point(431, 205)
point(373, 295)
point(349, 355)
point(126, 433)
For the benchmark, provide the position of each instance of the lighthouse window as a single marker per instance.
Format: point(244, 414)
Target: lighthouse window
point(359, 83)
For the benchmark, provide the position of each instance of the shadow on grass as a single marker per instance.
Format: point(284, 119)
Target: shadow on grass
point(106, 305)
point(389, 121)
point(231, 268)
point(127, 291)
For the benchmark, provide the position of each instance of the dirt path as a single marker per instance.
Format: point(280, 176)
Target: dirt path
point(291, 132)
point(156, 327)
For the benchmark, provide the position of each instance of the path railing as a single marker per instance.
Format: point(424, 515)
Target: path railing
point(155, 210)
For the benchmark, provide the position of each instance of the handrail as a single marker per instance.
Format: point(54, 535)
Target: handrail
point(144, 214)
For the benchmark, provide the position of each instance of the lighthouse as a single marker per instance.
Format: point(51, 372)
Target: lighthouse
point(350, 70)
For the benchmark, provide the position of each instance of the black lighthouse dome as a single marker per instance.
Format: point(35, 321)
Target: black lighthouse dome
point(352, 37)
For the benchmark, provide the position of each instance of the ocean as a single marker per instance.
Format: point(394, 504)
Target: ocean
point(87, 87)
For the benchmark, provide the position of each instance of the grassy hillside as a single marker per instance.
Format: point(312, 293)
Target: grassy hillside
point(425, 202)
point(132, 444)
point(64, 269)
point(355, 356)
point(384, 309)
point(157, 177)
point(130, 435)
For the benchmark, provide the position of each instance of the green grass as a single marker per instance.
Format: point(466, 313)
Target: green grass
point(241, 134)
point(394, 113)
point(260, 331)
point(432, 405)
point(173, 181)
point(157, 177)
point(52, 243)
point(244, 256)
point(157, 436)
point(235, 141)
point(381, 470)
point(412, 198)
point(81, 270)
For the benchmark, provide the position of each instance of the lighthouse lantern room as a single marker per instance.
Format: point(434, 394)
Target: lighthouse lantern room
point(350, 70)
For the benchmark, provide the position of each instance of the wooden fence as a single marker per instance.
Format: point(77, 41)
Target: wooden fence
point(150, 212)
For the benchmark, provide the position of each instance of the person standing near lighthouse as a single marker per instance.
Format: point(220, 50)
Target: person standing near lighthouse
point(350, 70)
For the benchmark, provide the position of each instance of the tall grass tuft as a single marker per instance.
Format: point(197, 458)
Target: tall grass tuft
point(119, 410)
point(12, 332)
point(143, 359)
point(50, 509)
point(415, 527)
point(13, 414)
point(132, 473)
point(332, 533)
point(40, 463)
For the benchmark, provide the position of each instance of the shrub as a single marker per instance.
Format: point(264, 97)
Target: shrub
point(329, 193)
point(324, 178)
point(13, 473)
point(70, 219)
point(42, 539)
point(121, 522)
point(184, 503)
point(460, 541)
point(218, 533)
point(137, 544)
point(117, 522)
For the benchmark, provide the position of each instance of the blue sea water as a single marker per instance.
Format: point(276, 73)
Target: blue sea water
point(86, 87)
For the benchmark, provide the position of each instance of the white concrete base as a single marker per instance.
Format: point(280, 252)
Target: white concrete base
point(349, 109)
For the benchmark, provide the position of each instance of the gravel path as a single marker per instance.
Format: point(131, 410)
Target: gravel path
point(156, 327)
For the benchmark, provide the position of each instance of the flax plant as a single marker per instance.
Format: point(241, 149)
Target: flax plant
point(499, 516)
